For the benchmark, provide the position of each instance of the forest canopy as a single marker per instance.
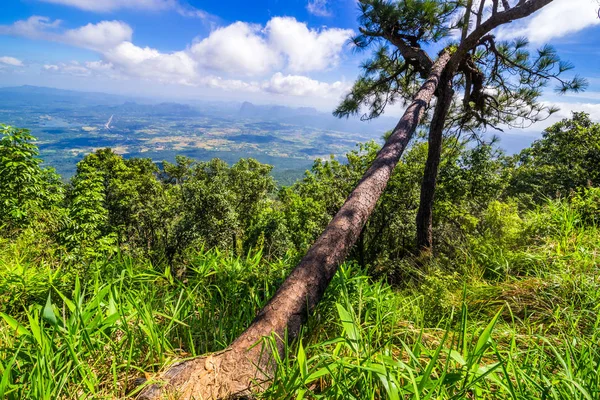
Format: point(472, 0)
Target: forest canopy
point(160, 211)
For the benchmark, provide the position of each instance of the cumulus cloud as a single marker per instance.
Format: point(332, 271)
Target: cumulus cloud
point(306, 49)
point(587, 95)
point(151, 5)
point(593, 109)
point(559, 18)
point(237, 48)
point(253, 50)
point(99, 37)
point(295, 85)
point(14, 62)
point(111, 5)
point(93, 69)
point(232, 85)
point(565, 110)
point(73, 68)
point(35, 27)
point(318, 8)
point(148, 63)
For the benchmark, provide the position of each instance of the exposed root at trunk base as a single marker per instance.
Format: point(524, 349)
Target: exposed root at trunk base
point(230, 374)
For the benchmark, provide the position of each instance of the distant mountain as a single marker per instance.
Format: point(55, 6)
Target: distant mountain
point(174, 110)
point(271, 112)
point(51, 99)
point(37, 95)
point(307, 116)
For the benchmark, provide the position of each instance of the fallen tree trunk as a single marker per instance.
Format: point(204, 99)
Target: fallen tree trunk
point(244, 366)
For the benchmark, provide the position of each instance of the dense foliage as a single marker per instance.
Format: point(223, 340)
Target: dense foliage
point(132, 263)
point(566, 160)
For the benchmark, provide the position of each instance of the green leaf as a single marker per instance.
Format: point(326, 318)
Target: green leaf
point(301, 358)
point(15, 325)
point(48, 312)
point(6, 375)
point(70, 305)
point(486, 335)
point(350, 327)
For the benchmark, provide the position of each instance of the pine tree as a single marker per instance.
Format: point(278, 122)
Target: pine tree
point(501, 82)
point(245, 366)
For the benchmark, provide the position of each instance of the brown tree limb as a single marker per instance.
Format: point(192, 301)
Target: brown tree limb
point(522, 10)
point(434, 153)
point(245, 367)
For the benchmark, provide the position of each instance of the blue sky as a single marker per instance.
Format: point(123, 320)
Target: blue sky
point(291, 52)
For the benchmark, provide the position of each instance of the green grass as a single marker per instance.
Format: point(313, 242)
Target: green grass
point(468, 329)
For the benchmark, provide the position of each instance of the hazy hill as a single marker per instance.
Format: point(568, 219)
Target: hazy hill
point(174, 110)
point(45, 99)
point(37, 95)
point(308, 116)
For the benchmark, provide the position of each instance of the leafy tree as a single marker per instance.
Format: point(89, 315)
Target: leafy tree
point(135, 210)
point(87, 217)
point(160, 213)
point(565, 159)
point(470, 179)
point(216, 204)
point(25, 187)
point(252, 185)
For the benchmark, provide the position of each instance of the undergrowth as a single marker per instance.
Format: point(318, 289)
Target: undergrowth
point(513, 314)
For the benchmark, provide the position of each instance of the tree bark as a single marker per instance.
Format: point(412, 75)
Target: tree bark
point(468, 42)
point(434, 154)
point(245, 367)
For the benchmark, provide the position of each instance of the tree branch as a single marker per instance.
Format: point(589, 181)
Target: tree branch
point(522, 10)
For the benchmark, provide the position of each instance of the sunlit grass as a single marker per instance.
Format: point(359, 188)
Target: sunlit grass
point(455, 334)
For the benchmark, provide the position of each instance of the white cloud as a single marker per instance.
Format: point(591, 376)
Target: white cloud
point(35, 27)
point(295, 85)
point(73, 68)
point(587, 95)
point(237, 48)
point(99, 66)
point(111, 5)
point(156, 67)
point(148, 63)
point(99, 37)
point(306, 49)
point(15, 62)
point(556, 20)
point(567, 108)
point(565, 111)
point(318, 8)
point(232, 85)
point(95, 69)
point(151, 5)
point(248, 49)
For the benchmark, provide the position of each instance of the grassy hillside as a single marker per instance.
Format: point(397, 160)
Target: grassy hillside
point(530, 331)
